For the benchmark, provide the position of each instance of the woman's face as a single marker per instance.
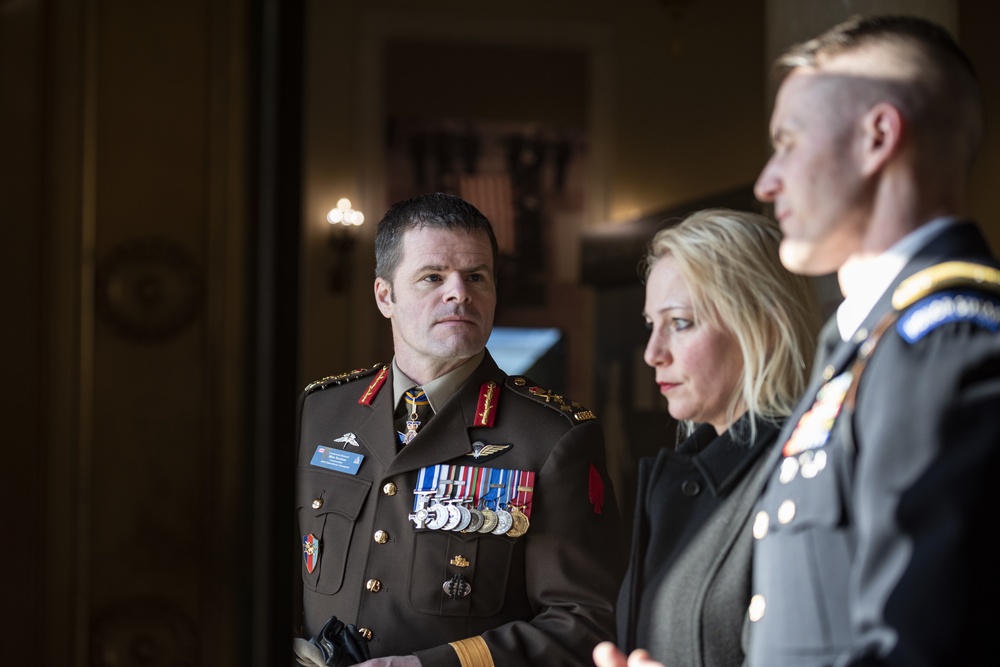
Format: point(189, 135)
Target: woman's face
point(697, 365)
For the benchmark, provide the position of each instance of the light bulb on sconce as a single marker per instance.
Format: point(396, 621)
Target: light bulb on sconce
point(344, 214)
point(342, 241)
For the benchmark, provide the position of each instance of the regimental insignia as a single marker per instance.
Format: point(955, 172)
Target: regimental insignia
point(460, 561)
point(486, 409)
point(813, 429)
point(482, 451)
point(343, 378)
point(571, 409)
point(310, 552)
point(374, 386)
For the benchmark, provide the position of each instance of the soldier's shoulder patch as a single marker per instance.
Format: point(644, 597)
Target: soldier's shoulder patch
point(947, 292)
point(940, 308)
point(572, 410)
point(343, 378)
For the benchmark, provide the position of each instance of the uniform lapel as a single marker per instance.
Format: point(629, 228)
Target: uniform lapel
point(376, 432)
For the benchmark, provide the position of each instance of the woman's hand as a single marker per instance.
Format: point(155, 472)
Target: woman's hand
point(607, 654)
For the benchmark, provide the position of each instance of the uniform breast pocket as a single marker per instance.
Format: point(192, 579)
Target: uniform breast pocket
point(328, 504)
point(478, 565)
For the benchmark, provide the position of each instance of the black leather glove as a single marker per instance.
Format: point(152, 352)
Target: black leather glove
point(336, 645)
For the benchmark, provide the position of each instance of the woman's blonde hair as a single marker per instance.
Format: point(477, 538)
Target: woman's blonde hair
point(729, 260)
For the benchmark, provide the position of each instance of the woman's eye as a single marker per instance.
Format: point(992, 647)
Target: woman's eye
point(681, 324)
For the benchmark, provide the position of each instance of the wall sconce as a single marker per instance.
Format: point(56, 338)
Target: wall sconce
point(342, 242)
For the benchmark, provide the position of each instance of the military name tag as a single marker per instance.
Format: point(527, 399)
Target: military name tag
point(337, 459)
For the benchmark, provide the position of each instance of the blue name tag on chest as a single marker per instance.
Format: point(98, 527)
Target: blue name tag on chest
point(337, 459)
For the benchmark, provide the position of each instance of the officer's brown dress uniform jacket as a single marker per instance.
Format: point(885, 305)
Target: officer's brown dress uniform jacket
point(544, 598)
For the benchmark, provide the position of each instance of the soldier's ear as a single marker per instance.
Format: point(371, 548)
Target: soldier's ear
point(383, 296)
point(882, 128)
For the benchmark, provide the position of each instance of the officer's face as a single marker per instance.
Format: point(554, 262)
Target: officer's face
point(697, 366)
point(814, 178)
point(441, 300)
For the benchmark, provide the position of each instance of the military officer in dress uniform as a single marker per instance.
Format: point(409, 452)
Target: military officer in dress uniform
point(449, 514)
point(874, 535)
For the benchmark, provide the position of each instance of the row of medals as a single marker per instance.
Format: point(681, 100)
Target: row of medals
point(437, 515)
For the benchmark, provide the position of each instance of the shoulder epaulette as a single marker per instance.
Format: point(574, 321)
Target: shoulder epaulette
point(948, 292)
point(947, 275)
point(570, 409)
point(343, 378)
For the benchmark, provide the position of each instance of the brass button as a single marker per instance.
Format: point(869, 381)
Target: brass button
point(317, 503)
point(366, 633)
point(828, 372)
point(789, 468)
point(381, 536)
point(761, 523)
point(756, 609)
point(519, 382)
point(373, 585)
point(786, 511)
point(389, 489)
point(814, 464)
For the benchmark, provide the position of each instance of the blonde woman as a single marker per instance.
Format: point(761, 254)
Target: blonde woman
point(731, 337)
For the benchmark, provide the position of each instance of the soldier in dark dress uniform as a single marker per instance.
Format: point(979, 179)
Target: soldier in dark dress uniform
point(470, 521)
point(874, 534)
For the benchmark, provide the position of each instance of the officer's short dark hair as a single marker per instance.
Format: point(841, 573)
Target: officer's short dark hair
point(438, 210)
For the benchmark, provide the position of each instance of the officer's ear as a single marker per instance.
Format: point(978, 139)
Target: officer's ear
point(882, 136)
point(384, 297)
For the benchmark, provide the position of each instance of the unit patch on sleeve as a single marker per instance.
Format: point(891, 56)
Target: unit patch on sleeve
point(944, 307)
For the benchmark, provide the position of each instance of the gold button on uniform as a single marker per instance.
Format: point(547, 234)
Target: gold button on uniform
point(828, 372)
point(761, 523)
point(317, 503)
point(381, 536)
point(389, 489)
point(756, 609)
point(786, 511)
point(789, 468)
point(373, 585)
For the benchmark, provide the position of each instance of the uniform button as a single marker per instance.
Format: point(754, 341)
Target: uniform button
point(860, 335)
point(761, 523)
point(756, 609)
point(814, 464)
point(381, 536)
point(373, 585)
point(366, 633)
point(828, 372)
point(690, 488)
point(317, 503)
point(789, 468)
point(786, 511)
point(389, 489)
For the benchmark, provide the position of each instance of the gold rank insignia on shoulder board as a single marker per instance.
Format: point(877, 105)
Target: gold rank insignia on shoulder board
point(343, 378)
point(947, 292)
point(571, 409)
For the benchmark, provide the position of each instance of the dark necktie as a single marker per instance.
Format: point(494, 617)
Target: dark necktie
point(416, 410)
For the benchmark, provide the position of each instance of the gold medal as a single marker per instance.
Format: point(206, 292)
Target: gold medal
point(520, 521)
point(489, 520)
